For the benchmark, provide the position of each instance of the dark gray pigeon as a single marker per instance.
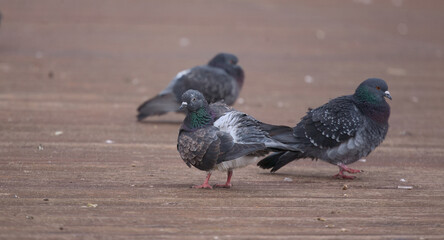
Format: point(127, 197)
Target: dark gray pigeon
point(220, 79)
point(217, 137)
point(340, 132)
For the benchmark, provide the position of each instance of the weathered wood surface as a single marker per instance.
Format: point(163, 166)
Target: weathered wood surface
point(80, 68)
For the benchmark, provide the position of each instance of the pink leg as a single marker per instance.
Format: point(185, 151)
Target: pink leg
point(343, 168)
point(205, 184)
point(228, 183)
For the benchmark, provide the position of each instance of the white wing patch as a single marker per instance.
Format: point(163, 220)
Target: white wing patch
point(228, 123)
point(170, 86)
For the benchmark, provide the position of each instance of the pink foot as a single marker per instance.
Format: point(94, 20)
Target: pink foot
point(205, 184)
point(343, 176)
point(228, 183)
point(343, 168)
point(223, 185)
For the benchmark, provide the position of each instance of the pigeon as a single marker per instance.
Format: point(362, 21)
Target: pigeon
point(217, 137)
point(220, 79)
point(341, 131)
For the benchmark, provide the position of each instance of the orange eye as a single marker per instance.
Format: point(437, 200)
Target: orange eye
point(379, 88)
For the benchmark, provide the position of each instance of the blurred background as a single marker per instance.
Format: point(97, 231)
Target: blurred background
point(76, 62)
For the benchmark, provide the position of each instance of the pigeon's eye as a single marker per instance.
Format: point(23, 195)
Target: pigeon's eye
point(231, 61)
point(193, 100)
point(378, 87)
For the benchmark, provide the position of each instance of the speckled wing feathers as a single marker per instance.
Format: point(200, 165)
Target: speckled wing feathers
point(333, 123)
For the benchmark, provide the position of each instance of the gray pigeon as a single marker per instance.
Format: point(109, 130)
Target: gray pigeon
point(340, 132)
point(217, 137)
point(220, 79)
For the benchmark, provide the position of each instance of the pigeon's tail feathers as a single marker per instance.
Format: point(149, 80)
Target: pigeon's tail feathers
point(283, 135)
point(278, 160)
point(158, 105)
point(270, 161)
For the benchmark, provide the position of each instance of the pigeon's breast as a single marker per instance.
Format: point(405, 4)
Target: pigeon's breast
point(357, 147)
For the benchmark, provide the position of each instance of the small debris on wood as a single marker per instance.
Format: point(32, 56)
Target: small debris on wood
point(329, 226)
point(40, 147)
point(321, 219)
point(363, 160)
point(405, 187)
point(90, 205)
point(344, 230)
point(45, 199)
point(29, 217)
point(344, 187)
point(109, 141)
point(287, 179)
point(308, 79)
point(402, 180)
point(57, 133)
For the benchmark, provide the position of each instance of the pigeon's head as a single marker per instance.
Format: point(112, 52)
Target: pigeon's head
point(193, 100)
point(373, 90)
point(228, 62)
point(223, 59)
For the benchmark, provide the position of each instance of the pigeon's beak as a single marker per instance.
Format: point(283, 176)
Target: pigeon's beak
point(183, 106)
point(387, 95)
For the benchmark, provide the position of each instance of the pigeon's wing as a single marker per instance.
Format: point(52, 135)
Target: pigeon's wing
point(218, 109)
point(331, 124)
point(230, 150)
point(246, 129)
point(214, 83)
point(199, 148)
point(181, 76)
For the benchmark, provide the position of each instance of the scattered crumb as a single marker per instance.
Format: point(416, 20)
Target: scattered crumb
point(406, 133)
point(90, 205)
point(321, 219)
point(344, 230)
point(344, 187)
point(57, 133)
point(29, 217)
point(363, 160)
point(40, 147)
point(287, 179)
point(109, 141)
point(329, 226)
point(308, 79)
point(405, 187)
point(345, 195)
point(45, 199)
point(184, 41)
point(402, 180)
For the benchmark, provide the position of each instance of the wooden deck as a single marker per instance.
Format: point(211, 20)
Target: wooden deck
point(75, 164)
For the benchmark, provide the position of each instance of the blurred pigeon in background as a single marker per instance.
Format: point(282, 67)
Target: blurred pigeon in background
point(217, 137)
point(220, 79)
point(342, 131)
